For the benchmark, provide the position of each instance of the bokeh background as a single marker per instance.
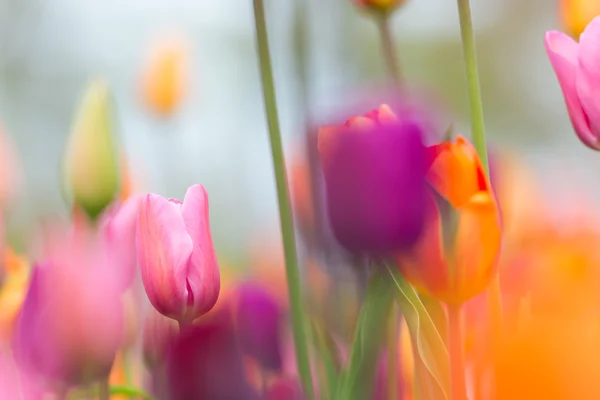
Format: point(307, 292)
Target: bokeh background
point(322, 51)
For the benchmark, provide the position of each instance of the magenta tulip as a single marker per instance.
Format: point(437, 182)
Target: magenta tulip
point(576, 67)
point(176, 255)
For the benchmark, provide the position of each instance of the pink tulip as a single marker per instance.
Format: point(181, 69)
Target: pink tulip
point(71, 324)
point(577, 67)
point(118, 229)
point(176, 255)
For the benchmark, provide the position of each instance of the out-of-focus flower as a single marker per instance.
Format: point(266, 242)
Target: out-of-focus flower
point(456, 257)
point(550, 358)
point(285, 389)
point(382, 6)
point(124, 372)
point(10, 172)
point(374, 168)
point(575, 65)
point(91, 171)
point(176, 255)
point(118, 227)
point(12, 292)
point(71, 325)
point(206, 363)
point(576, 14)
point(158, 334)
point(165, 78)
point(258, 319)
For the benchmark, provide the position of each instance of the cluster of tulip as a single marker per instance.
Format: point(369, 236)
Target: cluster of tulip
point(464, 285)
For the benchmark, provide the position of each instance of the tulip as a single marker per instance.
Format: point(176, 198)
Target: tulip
point(12, 293)
point(576, 14)
point(71, 324)
point(258, 320)
point(285, 389)
point(176, 255)
point(576, 67)
point(455, 258)
point(91, 172)
point(206, 363)
point(381, 6)
point(374, 168)
point(164, 81)
point(118, 227)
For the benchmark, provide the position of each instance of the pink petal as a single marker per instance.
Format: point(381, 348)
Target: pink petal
point(588, 76)
point(119, 229)
point(562, 52)
point(164, 249)
point(203, 274)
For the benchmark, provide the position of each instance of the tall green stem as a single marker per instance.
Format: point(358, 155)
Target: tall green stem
point(477, 121)
point(285, 210)
point(494, 294)
point(390, 53)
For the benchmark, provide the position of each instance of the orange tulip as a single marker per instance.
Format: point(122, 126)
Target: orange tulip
point(383, 6)
point(455, 258)
point(577, 14)
point(165, 79)
point(12, 292)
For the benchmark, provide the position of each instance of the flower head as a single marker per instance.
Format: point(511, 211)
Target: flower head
point(456, 256)
point(176, 255)
point(576, 67)
point(374, 169)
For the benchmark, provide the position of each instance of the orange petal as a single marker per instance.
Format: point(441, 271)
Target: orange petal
point(477, 246)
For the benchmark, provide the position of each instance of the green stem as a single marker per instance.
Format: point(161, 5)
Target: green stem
point(390, 54)
point(370, 333)
point(104, 391)
point(392, 360)
point(285, 210)
point(457, 358)
point(477, 121)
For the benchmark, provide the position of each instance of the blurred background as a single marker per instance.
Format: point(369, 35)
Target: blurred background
point(323, 50)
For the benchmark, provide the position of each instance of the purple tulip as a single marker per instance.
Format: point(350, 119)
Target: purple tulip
point(258, 321)
point(206, 363)
point(374, 170)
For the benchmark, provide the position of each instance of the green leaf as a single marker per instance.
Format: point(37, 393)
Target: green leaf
point(129, 391)
point(327, 352)
point(430, 346)
point(357, 381)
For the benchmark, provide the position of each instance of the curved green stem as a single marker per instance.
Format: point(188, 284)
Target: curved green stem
point(390, 53)
point(285, 210)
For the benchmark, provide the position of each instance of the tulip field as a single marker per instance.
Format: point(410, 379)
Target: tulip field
point(411, 261)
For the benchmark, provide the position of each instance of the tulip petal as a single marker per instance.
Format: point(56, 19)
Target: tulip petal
point(562, 52)
point(477, 245)
point(164, 249)
point(203, 273)
point(588, 77)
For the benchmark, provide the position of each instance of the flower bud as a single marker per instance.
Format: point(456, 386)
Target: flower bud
point(576, 14)
point(374, 169)
point(176, 255)
point(258, 320)
point(575, 65)
point(455, 258)
point(381, 6)
point(91, 171)
point(164, 80)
